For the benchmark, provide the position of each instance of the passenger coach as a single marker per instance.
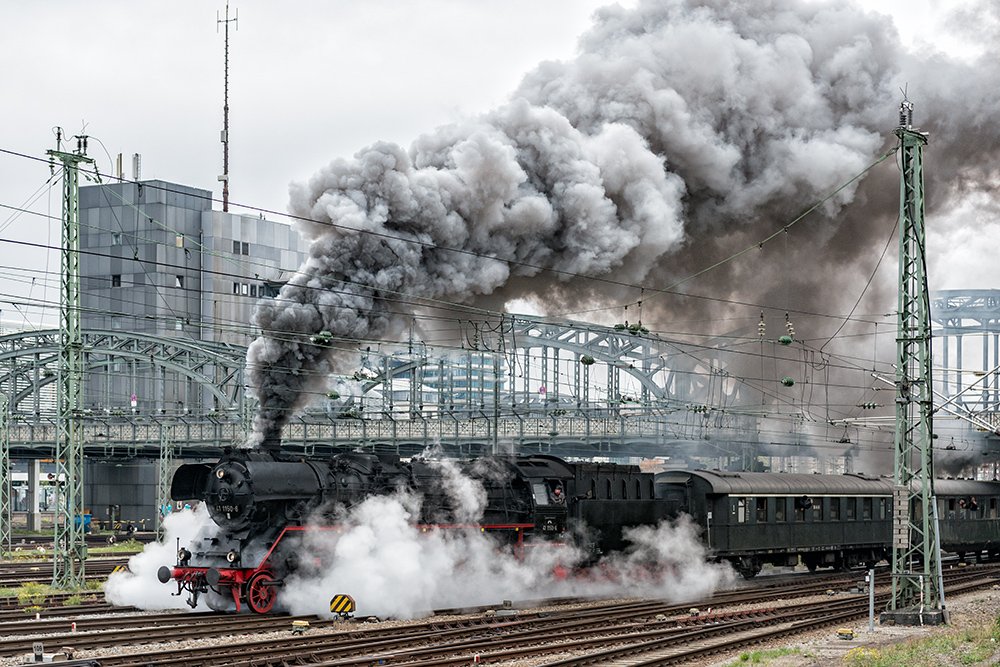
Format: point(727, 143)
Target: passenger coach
point(755, 518)
point(968, 517)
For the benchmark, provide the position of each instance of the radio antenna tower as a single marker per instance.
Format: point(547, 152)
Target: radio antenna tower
point(225, 108)
point(917, 588)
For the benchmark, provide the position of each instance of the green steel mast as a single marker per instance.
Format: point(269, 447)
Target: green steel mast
point(70, 547)
point(6, 516)
point(917, 596)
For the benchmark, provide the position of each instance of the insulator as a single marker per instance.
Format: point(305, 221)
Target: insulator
point(906, 114)
point(789, 327)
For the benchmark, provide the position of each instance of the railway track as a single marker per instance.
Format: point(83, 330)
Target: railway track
point(18, 573)
point(643, 631)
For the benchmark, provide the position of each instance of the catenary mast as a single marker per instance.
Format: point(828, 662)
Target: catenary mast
point(70, 549)
point(917, 594)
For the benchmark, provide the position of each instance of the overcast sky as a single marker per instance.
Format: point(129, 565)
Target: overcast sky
point(308, 82)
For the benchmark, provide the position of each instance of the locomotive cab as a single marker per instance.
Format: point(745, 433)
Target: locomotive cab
point(550, 508)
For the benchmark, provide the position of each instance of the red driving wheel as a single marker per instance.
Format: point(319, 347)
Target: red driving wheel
point(261, 592)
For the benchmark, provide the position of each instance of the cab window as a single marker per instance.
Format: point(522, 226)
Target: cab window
point(541, 493)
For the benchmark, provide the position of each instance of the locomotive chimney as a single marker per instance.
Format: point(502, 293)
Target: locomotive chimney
point(272, 439)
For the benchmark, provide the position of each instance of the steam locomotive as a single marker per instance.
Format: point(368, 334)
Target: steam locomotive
point(265, 503)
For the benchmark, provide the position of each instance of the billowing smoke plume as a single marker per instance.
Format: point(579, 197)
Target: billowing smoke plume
point(684, 131)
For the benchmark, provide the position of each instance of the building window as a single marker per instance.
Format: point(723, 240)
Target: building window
point(253, 290)
point(236, 247)
point(236, 288)
point(245, 248)
point(179, 282)
point(116, 238)
point(116, 323)
point(245, 289)
point(180, 241)
point(116, 280)
point(179, 324)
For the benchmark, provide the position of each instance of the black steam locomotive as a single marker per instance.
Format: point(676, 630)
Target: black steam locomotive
point(264, 503)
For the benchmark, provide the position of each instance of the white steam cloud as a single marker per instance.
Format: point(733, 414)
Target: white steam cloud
point(393, 568)
point(138, 586)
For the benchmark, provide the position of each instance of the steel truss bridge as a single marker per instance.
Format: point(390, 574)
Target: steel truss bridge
point(567, 389)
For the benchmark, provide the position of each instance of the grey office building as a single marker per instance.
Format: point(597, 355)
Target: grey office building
point(158, 261)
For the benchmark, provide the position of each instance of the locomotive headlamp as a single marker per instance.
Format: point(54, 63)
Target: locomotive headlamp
point(231, 556)
point(220, 473)
point(183, 556)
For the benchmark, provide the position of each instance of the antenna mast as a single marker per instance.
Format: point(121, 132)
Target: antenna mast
point(225, 110)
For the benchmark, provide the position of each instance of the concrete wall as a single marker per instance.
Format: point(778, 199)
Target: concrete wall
point(130, 484)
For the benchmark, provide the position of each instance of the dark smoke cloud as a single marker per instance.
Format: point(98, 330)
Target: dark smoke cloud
point(683, 132)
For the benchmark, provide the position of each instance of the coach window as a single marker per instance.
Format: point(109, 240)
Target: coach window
point(834, 509)
point(993, 508)
point(852, 509)
point(881, 508)
point(638, 489)
point(608, 489)
point(762, 510)
point(624, 490)
point(818, 509)
point(866, 509)
point(951, 508)
point(741, 510)
point(593, 489)
point(779, 509)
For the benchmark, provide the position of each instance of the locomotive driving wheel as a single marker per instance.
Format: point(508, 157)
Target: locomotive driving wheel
point(261, 592)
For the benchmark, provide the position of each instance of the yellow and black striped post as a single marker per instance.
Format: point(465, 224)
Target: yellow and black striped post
point(342, 604)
